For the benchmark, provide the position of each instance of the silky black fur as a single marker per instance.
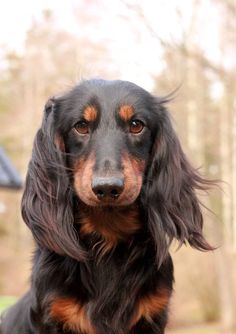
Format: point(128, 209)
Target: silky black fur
point(66, 264)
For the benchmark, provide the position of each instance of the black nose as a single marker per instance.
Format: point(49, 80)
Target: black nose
point(107, 187)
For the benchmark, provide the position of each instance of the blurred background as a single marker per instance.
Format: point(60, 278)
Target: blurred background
point(47, 46)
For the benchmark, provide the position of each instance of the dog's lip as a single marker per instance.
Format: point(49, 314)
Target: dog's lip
point(108, 203)
point(94, 202)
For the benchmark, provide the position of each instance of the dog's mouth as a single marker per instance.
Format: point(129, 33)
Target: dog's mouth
point(120, 188)
point(108, 202)
point(108, 198)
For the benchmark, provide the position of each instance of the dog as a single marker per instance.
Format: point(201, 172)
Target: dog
point(108, 189)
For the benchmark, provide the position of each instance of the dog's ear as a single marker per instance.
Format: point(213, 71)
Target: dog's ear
point(173, 208)
point(47, 203)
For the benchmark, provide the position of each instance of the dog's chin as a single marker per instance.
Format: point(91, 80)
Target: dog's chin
point(108, 204)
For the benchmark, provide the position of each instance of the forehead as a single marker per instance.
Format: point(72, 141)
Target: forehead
point(108, 95)
point(103, 100)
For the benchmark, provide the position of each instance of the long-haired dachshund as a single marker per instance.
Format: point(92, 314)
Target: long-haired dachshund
point(108, 188)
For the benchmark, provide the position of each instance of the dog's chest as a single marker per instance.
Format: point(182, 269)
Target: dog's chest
point(115, 309)
point(109, 298)
point(111, 295)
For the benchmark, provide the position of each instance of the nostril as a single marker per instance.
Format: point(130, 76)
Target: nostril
point(107, 187)
point(115, 193)
point(99, 193)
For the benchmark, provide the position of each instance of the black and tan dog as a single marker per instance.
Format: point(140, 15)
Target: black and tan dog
point(108, 188)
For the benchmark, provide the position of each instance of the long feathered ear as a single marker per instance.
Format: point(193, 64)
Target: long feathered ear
point(173, 208)
point(47, 203)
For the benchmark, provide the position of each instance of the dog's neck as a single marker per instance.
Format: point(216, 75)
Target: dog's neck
point(111, 224)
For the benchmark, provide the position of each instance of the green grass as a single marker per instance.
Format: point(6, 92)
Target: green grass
point(6, 301)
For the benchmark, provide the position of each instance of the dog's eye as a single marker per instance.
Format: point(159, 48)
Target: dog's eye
point(82, 127)
point(136, 126)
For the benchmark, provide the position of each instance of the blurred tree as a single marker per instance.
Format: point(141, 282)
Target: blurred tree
point(51, 60)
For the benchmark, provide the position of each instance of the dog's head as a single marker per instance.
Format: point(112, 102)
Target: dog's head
point(107, 128)
point(110, 144)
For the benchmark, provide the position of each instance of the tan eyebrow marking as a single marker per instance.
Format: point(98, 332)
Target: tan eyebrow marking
point(90, 113)
point(126, 112)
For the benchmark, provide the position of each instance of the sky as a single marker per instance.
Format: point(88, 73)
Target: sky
point(137, 55)
point(17, 16)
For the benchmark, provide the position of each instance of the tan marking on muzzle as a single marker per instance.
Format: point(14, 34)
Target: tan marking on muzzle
point(83, 173)
point(133, 170)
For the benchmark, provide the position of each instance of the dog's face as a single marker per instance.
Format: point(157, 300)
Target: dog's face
point(119, 143)
point(107, 132)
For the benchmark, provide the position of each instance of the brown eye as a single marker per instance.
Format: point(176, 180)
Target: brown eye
point(136, 126)
point(82, 127)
